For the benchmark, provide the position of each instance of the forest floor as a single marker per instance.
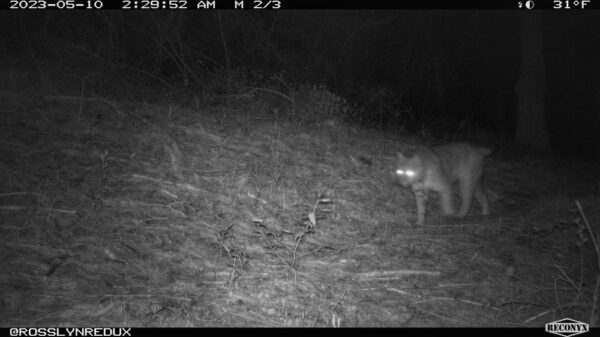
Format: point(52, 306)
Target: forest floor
point(130, 214)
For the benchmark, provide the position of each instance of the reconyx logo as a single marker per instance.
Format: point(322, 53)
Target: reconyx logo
point(567, 327)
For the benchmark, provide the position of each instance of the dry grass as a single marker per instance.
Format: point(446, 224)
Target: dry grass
point(117, 214)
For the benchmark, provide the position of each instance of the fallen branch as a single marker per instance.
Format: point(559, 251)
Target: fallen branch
point(396, 274)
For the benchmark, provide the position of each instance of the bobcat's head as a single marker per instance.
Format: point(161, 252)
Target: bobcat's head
point(409, 170)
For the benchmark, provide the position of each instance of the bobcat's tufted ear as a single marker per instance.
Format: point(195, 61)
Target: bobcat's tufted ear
point(400, 156)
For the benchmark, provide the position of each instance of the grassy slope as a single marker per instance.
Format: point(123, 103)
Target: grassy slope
point(129, 214)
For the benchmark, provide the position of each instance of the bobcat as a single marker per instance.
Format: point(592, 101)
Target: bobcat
point(437, 168)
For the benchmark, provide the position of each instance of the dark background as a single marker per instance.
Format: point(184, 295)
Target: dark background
point(454, 70)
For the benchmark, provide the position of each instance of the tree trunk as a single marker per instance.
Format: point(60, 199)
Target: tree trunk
point(436, 59)
point(531, 120)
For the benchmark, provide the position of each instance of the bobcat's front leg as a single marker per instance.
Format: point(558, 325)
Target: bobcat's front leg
point(421, 199)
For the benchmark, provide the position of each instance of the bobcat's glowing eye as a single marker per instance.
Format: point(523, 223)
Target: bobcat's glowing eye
point(408, 173)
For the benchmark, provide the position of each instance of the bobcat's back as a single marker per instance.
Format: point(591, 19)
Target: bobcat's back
point(461, 160)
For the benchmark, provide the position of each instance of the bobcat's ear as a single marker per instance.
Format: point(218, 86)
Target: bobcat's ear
point(400, 156)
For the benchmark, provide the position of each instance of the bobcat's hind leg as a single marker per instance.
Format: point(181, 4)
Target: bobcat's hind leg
point(466, 195)
point(446, 201)
point(481, 196)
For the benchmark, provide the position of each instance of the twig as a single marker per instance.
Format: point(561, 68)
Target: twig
point(22, 208)
point(572, 283)
point(590, 232)
point(457, 321)
point(593, 317)
point(402, 292)
point(188, 187)
point(232, 276)
point(247, 94)
point(290, 266)
point(554, 309)
point(464, 301)
point(298, 239)
point(538, 315)
point(257, 198)
point(457, 285)
point(396, 273)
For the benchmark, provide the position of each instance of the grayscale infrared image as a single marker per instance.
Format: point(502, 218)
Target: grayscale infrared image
point(199, 164)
